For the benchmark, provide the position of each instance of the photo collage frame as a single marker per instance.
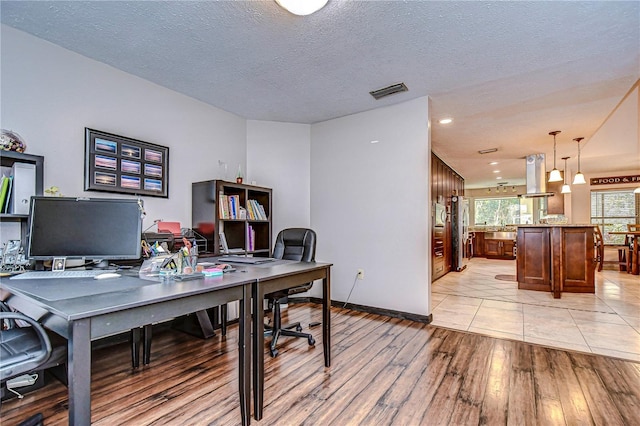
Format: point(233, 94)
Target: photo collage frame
point(119, 164)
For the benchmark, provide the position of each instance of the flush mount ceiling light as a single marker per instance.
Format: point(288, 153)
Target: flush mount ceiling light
point(302, 7)
point(446, 120)
point(487, 151)
point(555, 175)
point(566, 189)
point(578, 179)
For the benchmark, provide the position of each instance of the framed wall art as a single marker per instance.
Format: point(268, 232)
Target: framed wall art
point(119, 164)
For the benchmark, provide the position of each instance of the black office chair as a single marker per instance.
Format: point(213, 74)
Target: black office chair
point(27, 349)
point(291, 244)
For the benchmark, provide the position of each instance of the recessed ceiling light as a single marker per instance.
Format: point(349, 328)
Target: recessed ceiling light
point(496, 171)
point(446, 120)
point(499, 177)
point(375, 141)
point(493, 163)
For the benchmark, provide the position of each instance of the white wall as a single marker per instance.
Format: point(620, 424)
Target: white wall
point(50, 94)
point(369, 205)
point(367, 202)
point(278, 157)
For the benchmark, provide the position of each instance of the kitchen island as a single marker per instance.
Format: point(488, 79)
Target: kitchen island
point(556, 258)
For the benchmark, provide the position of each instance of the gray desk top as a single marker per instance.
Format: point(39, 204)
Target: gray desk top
point(77, 298)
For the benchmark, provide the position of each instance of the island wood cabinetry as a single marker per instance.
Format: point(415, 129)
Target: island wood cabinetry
point(556, 258)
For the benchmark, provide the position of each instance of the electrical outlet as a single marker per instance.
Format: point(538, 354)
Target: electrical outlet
point(361, 274)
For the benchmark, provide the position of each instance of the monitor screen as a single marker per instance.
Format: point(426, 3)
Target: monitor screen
point(77, 228)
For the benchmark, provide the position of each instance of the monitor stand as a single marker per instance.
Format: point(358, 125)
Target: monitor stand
point(103, 264)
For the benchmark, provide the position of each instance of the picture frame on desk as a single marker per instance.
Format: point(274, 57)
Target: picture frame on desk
point(124, 165)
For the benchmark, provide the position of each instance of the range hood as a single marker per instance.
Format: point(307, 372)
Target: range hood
point(536, 177)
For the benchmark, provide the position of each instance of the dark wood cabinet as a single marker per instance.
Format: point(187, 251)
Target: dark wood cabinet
point(533, 259)
point(478, 244)
point(243, 233)
point(555, 204)
point(445, 183)
point(556, 259)
point(7, 159)
point(499, 249)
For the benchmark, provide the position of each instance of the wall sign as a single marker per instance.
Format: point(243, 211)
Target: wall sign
point(118, 164)
point(615, 180)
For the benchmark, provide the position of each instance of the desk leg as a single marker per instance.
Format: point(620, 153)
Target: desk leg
point(258, 350)
point(326, 317)
point(244, 349)
point(79, 372)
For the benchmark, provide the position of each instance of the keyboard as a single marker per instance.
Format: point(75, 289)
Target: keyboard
point(40, 275)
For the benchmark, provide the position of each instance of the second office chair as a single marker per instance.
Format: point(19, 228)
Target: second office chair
point(291, 244)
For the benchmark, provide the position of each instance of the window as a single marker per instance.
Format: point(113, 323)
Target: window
point(612, 211)
point(497, 211)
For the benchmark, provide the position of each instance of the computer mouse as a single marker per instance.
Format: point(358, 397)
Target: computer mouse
point(106, 275)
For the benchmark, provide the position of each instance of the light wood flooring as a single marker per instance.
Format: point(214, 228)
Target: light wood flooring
point(385, 371)
point(605, 323)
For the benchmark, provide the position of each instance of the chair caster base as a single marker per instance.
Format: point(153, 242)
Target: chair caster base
point(312, 341)
point(273, 353)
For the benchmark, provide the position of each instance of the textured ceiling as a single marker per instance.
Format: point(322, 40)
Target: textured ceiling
point(507, 72)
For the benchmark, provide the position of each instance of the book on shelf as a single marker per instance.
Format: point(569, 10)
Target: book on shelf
point(223, 206)
point(250, 213)
point(232, 207)
point(224, 247)
point(257, 210)
point(5, 193)
point(251, 237)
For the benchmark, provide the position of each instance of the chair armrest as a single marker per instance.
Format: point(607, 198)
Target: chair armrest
point(18, 358)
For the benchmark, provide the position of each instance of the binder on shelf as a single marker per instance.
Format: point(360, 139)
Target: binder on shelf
point(4, 193)
point(24, 187)
point(7, 201)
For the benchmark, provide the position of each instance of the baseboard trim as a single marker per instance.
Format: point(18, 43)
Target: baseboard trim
point(425, 319)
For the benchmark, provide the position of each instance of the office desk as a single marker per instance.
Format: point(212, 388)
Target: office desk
point(279, 276)
point(634, 236)
point(83, 310)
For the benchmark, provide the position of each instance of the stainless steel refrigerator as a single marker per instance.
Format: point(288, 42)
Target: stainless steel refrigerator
point(459, 232)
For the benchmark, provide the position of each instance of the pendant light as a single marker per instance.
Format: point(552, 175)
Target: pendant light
point(578, 179)
point(566, 189)
point(555, 175)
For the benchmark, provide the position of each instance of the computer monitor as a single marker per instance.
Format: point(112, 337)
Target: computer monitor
point(89, 228)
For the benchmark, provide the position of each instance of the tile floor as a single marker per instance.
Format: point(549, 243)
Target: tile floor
point(606, 323)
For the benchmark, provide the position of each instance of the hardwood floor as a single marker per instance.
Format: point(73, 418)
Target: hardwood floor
point(384, 371)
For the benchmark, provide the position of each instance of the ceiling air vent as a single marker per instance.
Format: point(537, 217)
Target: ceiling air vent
point(396, 88)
